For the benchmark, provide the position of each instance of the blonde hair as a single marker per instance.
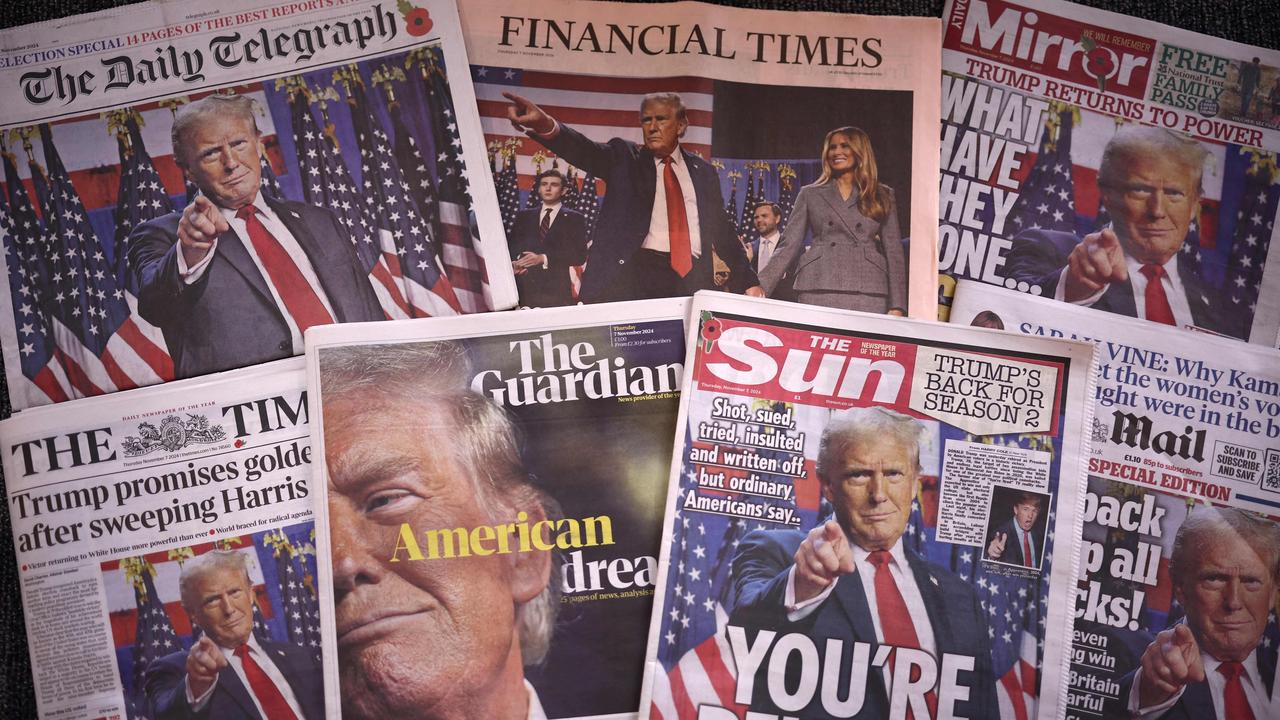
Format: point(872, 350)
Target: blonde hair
point(872, 199)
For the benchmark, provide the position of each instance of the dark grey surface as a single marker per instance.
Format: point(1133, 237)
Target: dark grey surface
point(1255, 22)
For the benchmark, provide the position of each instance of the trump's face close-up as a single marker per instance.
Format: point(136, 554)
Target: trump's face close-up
point(429, 638)
point(662, 127)
point(222, 605)
point(1025, 514)
point(1228, 593)
point(222, 158)
point(1152, 201)
point(871, 485)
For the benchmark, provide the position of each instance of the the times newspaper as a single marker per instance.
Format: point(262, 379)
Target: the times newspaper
point(761, 91)
point(366, 172)
point(1184, 427)
point(867, 518)
point(1037, 95)
point(119, 502)
point(495, 488)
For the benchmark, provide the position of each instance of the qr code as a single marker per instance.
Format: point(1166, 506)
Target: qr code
point(1271, 471)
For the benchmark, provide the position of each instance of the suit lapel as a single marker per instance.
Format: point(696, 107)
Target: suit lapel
point(840, 206)
point(329, 273)
point(934, 603)
point(231, 249)
point(644, 193)
point(229, 682)
point(853, 602)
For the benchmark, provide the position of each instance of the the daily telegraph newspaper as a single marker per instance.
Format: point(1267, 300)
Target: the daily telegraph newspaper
point(867, 518)
point(1086, 152)
point(495, 491)
point(155, 228)
point(1186, 448)
point(158, 531)
point(826, 119)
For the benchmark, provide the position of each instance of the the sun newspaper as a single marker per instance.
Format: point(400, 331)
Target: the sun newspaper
point(868, 518)
point(358, 145)
point(1183, 426)
point(760, 92)
point(495, 488)
point(1072, 133)
point(115, 501)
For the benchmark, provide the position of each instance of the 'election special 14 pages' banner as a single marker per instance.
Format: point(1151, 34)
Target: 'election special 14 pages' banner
point(867, 518)
point(1088, 156)
point(1180, 526)
point(186, 189)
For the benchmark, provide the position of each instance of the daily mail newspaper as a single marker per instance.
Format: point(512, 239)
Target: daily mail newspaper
point(1181, 523)
point(495, 488)
point(134, 140)
point(159, 530)
point(867, 518)
point(824, 119)
point(1112, 162)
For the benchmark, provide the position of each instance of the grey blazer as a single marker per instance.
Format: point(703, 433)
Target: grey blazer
point(844, 255)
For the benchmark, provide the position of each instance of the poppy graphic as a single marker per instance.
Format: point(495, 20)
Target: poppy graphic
point(711, 330)
point(1099, 62)
point(418, 22)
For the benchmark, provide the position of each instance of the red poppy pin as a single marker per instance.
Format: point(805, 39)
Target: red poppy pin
point(711, 331)
point(417, 21)
point(1099, 62)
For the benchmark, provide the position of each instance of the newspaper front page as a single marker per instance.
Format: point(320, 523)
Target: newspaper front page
point(867, 518)
point(1186, 437)
point(157, 531)
point(131, 253)
point(495, 489)
point(756, 97)
point(1111, 162)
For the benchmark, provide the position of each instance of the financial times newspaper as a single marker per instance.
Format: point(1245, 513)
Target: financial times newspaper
point(125, 263)
point(1037, 95)
point(762, 90)
point(495, 489)
point(1179, 428)
point(867, 518)
point(115, 500)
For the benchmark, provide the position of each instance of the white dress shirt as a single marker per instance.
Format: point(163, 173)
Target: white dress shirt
point(273, 224)
point(659, 237)
point(1255, 691)
point(268, 666)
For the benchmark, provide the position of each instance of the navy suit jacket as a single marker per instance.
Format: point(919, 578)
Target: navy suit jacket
point(1196, 702)
point(760, 570)
point(1038, 257)
point(1013, 549)
point(166, 687)
point(564, 246)
point(630, 176)
point(228, 318)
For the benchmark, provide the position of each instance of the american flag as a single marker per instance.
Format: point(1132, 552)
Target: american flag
point(588, 202)
point(407, 243)
point(142, 195)
point(787, 195)
point(327, 183)
point(154, 637)
point(746, 228)
point(505, 181)
point(301, 607)
point(457, 230)
point(1046, 200)
point(104, 348)
point(1254, 223)
point(731, 205)
point(43, 377)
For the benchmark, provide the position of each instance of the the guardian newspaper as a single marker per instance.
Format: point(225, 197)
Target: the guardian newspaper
point(1180, 510)
point(158, 532)
point(774, 119)
point(494, 496)
point(867, 518)
point(1088, 156)
point(187, 188)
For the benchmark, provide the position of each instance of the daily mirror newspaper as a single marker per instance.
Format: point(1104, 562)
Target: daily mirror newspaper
point(166, 548)
point(1182, 514)
point(867, 518)
point(1111, 162)
point(495, 488)
point(807, 150)
point(188, 187)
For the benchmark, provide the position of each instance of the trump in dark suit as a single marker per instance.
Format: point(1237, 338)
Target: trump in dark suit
point(1015, 541)
point(663, 215)
point(236, 278)
point(546, 242)
point(1225, 571)
point(851, 579)
point(1150, 182)
point(228, 673)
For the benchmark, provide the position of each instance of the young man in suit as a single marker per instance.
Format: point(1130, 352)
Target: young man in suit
point(546, 242)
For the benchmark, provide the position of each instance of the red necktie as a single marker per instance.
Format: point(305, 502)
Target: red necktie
point(677, 220)
point(1233, 699)
point(300, 299)
point(268, 695)
point(1026, 550)
point(545, 227)
point(895, 620)
point(1158, 309)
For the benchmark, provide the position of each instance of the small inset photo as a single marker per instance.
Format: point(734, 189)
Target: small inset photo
point(1016, 527)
